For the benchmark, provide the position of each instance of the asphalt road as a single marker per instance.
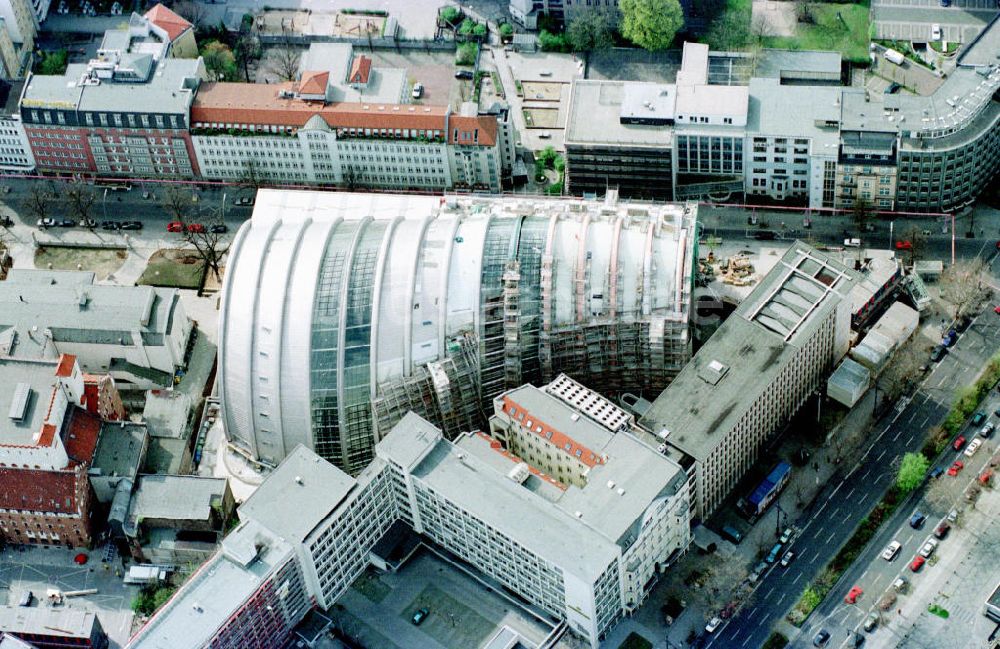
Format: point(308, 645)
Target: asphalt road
point(851, 494)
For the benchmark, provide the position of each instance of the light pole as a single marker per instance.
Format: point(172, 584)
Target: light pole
point(105, 203)
point(223, 207)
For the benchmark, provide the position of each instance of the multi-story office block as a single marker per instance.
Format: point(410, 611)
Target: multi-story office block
point(341, 312)
point(343, 122)
point(19, 21)
point(15, 150)
point(756, 370)
point(627, 516)
point(124, 113)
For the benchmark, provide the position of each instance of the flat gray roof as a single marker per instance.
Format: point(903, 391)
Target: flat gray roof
point(538, 524)
point(742, 358)
point(166, 413)
point(300, 493)
point(594, 117)
point(40, 376)
point(768, 112)
point(73, 310)
point(779, 64)
point(176, 497)
point(119, 449)
point(64, 622)
point(218, 589)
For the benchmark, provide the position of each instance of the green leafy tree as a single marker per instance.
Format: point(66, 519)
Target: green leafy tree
point(466, 54)
point(450, 15)
point(911, 473)
point(219, 60)
point(479, 31)
point(53, 62)
point(551, 42)
point(730, 31)
point(590, 31)
point(651, 24)
point(506, 30)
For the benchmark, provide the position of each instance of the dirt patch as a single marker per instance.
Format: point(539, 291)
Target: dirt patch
point(541, 117)
point(174, 267)
point(542, 90)
point(101, 261)
point(358, 26)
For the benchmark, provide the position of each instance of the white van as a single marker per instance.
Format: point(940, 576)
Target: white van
point(894, 56)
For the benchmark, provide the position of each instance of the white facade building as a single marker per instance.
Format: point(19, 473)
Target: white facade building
point(15, 150)
point(756, 370)
point(630, 519)
point(138, 334)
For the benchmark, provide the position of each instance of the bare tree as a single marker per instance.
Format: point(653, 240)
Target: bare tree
point(39, 200)
point(902, 372)
point(962, 286)
point(939, 494)
point(81, 199)
point(723, 577)
point(284, 62)
point(211, 244)
point(252, 177)
point(918, 243)
point(247, 49)
point(178, 203)
point(861, 213)
point(193, 11)
point(350, 177)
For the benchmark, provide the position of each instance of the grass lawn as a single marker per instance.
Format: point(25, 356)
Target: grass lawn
point(635, 641)
point(174, 267)
point(829, 32)
point(101, 261)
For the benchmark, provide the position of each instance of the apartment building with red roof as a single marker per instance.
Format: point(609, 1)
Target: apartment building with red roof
point(47, 443)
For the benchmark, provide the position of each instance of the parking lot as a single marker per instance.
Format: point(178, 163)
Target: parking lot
point(377, 611)
point(911, 20)
point(40, 568)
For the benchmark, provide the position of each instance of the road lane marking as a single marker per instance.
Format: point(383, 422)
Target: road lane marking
point(768, 593)
point(898, 433)
point(835, 513)
point(796, 580)
point(877, 579)
point(847, 517)
point(864, 498)
point(924, 422)
point(782, 598)
point(815, 556)
point(837, 488)
point(880, 456)
point(850, 493)
point(746, 640)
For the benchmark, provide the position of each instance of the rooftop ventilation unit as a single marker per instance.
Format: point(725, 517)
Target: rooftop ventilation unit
point(519, 473)
point(19, 404)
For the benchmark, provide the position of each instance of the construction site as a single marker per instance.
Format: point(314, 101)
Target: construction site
point(437, 305)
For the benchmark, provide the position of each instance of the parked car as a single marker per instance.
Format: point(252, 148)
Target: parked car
point(219, 228)
point(88, 223)
point(900, 584)
point(973, 447)
point(935, 32)
point(891, 550)
point(938, 352)
point(132, 225)
point(871, 622)
point(955, 467)
point(773, 555)
point(941, 531)
point(195, 227)
point(419, 616)
point(892, 88)
point(463, 74)
point(928, 548)
point(713, 624)
point(243, 200)
point(418, 90)
point(936, 472)
point(917, 563)
point(66, 223)
point(949, 339)
point(47, 222)
point(852, 243)
point(904, 245)
point(26, 597)
point(917, 520)
point(175, 226)
point(821, 638)
point(787, 559)
point(853, 595)
point(786, 536)
point(978, 418)
point(953, 516)
point(958, 443)
point(987, 430)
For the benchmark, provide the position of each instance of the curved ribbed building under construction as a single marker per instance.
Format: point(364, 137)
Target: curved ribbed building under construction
point(341, 312)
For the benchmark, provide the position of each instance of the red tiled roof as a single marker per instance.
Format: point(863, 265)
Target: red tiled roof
point(38, 490)
point(66, 363)
point(169, 21)
point(80, 431)
point(478, 130)
point(260, 105)
point(560, 440)
point(314, 83)
point(361, 69)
